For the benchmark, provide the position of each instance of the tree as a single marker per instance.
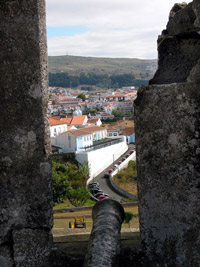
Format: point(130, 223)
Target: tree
point(82, 96)
point(122, 79)
point(67, 178)
point(59, 79)
point(92, 111)
point(60, 183)
point(117, 114)
point(78, 196)
point(84, 169)
point(128, 217)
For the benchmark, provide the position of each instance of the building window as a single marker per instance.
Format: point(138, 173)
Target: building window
point(84, 138)
point(110, 134)
point(115, 134)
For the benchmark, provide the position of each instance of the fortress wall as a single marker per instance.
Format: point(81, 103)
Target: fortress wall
point(25, 173)
point(167, 121)
point(167, 142)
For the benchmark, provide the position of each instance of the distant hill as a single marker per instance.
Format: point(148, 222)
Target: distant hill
point(74, 65)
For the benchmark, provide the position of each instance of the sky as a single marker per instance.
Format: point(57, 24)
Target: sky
point(106, 28)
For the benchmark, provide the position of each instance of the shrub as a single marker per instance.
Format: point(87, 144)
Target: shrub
point(68, 177)
point(67, 156)
point(62, 168)
point(128, 174)
point(60, 186)
point(78, 196)
point(128, 217)
point(84, 169)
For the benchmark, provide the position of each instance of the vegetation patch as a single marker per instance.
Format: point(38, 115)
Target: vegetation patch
point(68, 182)
point(99, 80)
point(61, 220)
point(127, 178)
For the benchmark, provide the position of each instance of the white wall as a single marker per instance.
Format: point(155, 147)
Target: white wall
point(100, 159)
point(57, 129)
point(87, 140)
point(63, 141)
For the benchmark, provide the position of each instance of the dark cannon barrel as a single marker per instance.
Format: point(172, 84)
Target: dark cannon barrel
point(104, 243)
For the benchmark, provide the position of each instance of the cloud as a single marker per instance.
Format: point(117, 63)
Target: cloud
point(113, 28)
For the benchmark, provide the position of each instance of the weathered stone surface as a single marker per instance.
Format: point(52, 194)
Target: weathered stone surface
point(25, 172)
point(179, 45)
point(32, 247)
point(176, 8)
point(104, 242)
point(194, 75)
point(177, 57)
point(6, 259)
point(196, 9)
point(182, 22)
point(168, 145)
point(168, 160)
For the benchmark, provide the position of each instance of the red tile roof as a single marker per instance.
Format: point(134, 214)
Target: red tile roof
point(67, 120)
point(78, 120)
point(92, 120)
point(128, 131)
point(54, 122)
point(84, 131)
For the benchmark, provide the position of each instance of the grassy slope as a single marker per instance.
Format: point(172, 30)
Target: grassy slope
point(76, 65)
point(61, 220)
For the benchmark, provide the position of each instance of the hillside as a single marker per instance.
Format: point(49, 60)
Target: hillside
point(142, 69)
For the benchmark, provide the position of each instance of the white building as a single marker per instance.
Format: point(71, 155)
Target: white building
point(74, 140)
point(56, 126)
point(94, 122)
point(101, 158)
point(126, 106)
point(80, 139)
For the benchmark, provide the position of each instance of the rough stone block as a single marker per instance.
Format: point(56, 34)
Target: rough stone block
point(6, 259)
point(196, 9)
point(177, 57)
point(32, 247)
point(25, 172)
point(179, 45)
point(167, 123)
point(182, 23)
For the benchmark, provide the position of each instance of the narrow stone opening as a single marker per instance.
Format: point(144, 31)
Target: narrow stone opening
point(167, 129)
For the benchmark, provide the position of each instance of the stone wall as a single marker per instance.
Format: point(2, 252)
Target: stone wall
point(25, 173)
point(167, 137)
point(167, 114)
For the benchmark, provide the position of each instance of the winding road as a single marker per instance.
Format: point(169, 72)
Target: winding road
point(104, 183)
